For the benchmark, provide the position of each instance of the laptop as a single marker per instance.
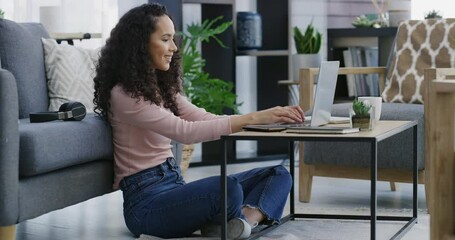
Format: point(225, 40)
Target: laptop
point(322, 102)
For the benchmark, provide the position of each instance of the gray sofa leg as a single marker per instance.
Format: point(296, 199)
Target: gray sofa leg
point(8, 232)
point(393, 186)
point(305, 182)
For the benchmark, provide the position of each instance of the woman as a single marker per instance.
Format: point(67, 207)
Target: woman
point(138, 90)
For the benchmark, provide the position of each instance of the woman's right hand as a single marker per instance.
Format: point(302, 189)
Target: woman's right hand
point(288, 114)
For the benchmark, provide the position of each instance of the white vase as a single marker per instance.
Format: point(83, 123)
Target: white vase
point(399, 10)
point(304, 61)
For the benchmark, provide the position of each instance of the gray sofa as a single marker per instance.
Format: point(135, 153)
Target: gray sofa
point(43, 166)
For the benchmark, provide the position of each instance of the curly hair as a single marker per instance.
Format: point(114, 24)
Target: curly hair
point(125, 60)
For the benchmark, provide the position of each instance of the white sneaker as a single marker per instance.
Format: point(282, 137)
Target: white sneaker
point(237, 228)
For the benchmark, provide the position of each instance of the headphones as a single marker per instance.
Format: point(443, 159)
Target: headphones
point(70, 111)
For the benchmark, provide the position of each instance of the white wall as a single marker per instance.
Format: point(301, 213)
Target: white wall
point(421, 7)
point(67, 16)
point(124, 6)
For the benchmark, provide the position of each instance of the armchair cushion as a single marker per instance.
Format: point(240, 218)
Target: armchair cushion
point(69, 71)
point(21, 53)
point(49, 146)
point(419, 44)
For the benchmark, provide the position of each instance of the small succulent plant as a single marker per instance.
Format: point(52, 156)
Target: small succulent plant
point(362, 21)
point(361, 109)
point(433, 14)
point(309, 42)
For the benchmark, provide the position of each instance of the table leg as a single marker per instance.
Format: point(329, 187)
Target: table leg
point(223, 190)
point(415, 175)
point(373, 197)
point(292, 172)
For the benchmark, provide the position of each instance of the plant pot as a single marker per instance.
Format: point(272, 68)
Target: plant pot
point(363, 123)
point(305, 61)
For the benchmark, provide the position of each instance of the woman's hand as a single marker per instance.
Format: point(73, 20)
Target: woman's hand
point(289, 114)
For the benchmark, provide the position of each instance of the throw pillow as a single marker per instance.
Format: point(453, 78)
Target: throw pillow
point(21, 53)
point(69, 71)
point(419, 44)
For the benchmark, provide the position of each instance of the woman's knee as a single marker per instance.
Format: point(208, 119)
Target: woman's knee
point(234, 189)
point(280, 170)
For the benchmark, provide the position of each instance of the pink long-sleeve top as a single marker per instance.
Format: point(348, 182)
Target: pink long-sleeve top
point(142, 131)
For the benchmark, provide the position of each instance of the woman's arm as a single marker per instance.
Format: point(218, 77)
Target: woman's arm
point(290, 114)
point(190, 112)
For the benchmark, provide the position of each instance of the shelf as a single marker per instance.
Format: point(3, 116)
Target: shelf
point(263, 53)
point(361, 32)
point(288, 82)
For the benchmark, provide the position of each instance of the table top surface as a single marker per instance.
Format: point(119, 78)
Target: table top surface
point(382, 130)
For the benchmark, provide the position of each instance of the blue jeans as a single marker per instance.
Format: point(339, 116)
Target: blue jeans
point(158, 202)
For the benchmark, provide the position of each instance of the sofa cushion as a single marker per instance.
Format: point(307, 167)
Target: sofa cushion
point(420, 44)
point(21, 53)
point(394, 152)
point(54, 145)
point(69, 71)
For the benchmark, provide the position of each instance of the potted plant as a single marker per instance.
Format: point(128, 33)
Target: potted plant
point(212, 94)
point(2, 13)
point(308, 46)
point(361, 115)
point(433, 14)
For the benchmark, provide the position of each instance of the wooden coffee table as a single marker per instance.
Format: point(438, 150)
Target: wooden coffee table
point(382, 131)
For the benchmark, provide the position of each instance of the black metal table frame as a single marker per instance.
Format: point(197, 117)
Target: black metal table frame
point(373, 198)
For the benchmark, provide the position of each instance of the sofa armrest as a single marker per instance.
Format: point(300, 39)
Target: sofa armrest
point(306, 78)
point(9, 148)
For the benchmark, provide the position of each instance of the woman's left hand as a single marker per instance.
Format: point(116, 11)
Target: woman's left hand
point(288, 114)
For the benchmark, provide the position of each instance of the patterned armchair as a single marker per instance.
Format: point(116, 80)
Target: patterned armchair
point(419, 44)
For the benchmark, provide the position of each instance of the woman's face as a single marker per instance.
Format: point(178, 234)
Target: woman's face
point(161, 45)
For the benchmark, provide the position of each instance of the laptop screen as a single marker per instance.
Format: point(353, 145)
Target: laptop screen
point(325, 93)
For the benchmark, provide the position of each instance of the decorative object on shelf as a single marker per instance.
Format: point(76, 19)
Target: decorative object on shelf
point(361, 116)
point(399, 11)
point(371, 20)
point(308, 48)
point(382, 17)
point(212, 94)
point(249, 30)
point(2, 13)
point(433, 14)
point(362, 21)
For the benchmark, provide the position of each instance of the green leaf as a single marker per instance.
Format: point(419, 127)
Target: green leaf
point(310, 42)
point(214, 95)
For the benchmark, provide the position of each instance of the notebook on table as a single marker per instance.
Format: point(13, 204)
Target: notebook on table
point(322, 106)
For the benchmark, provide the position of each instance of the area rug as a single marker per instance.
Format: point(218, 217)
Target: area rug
point(340, 229)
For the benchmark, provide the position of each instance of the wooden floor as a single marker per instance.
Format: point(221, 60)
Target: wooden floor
point(101, 218)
